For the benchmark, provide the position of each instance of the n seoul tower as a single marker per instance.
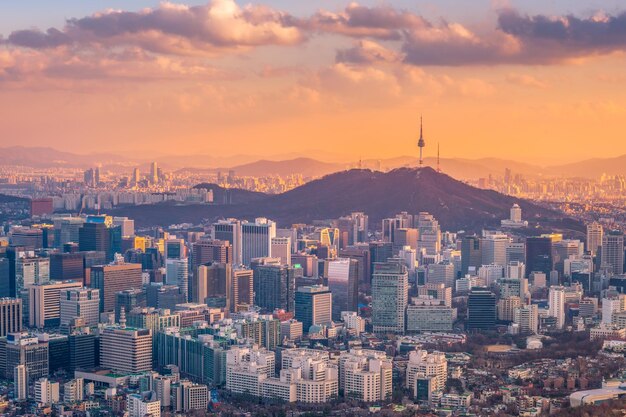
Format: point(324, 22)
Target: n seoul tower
point(421, 143)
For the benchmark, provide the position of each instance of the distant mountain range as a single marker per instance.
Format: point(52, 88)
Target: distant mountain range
point(248, 165)
point(455, 204)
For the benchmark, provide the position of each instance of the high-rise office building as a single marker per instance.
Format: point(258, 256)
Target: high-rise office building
point(556, 305)
point(613, 252)
point(361, 254)
point(95, 237)
point(127, 226)
point(44, 302)
point(154, 173)
point(128, 300)
point(28, 350)
point(379, 252)
point(429, 234)
point(30, 238)
point(281, 248)
point(205, 251)
point(113, 278)
point(82, 348)
point(313, 306)
point(506, 308)
point(163, 296)
point(30, 271)
point(230, 231)
point(213, 285)
point(440, 273)
point(175, 249)
point(595, 234)
point(539, 255)
point(494, 249)
point(66, 230)
point(527, 317)
point(177, 273)
point(126, 349)
point(481, 309)
point(390, 286)
point(256, 239)
point(343, 282)
point(5, 278)
point(14, 254)
point(516, 252)
point(79, 302)
point(67, 266)
point(275, 286)
point(10, 316)
point(242, 288)
point(20, 382)
point(471, 254)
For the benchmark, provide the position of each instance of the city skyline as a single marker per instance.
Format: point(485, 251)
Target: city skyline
point(274, 78)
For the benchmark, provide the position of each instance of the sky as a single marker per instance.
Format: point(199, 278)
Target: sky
point(534, 80)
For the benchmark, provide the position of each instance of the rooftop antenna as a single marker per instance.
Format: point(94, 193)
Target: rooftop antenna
point(438, 165)
point(420, 142)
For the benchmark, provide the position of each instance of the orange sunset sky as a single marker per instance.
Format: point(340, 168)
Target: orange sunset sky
point(518, 80)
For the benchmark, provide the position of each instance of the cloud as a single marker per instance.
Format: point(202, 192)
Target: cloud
point(548, 39)
point(381, 34)
point(366, 52)
point(172, 29)
point(452, 44)
point(380, 22)
point(525, 80)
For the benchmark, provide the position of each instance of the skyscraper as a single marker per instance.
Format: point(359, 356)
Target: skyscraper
point(27, 350)
point(390, 286)
point(429, 238)
point(126, 349)
point(44, 306)
point(471, 254)
point(613, 252)
point(66, 266)
point(494, 249)
point(538, 255)
point(177, 273)
point(556, 305)
point(10, 316)
point(95, 237)
point(595, 234)
point(113, 278)
point(281, 248)
point(80, 302)
point(230, 231)
point(275, 286)
point(313, 306)
point(20, 382)
point(481, 310)
point(256, 239)
point(175, 249)
point(30, 271)
point(343, 282)
point(205, 251)
point(213, 285)
point(243, 288)
point(154, 173)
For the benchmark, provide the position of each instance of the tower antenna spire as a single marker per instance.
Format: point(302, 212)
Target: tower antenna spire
point(438, 165)
point(420, 142)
